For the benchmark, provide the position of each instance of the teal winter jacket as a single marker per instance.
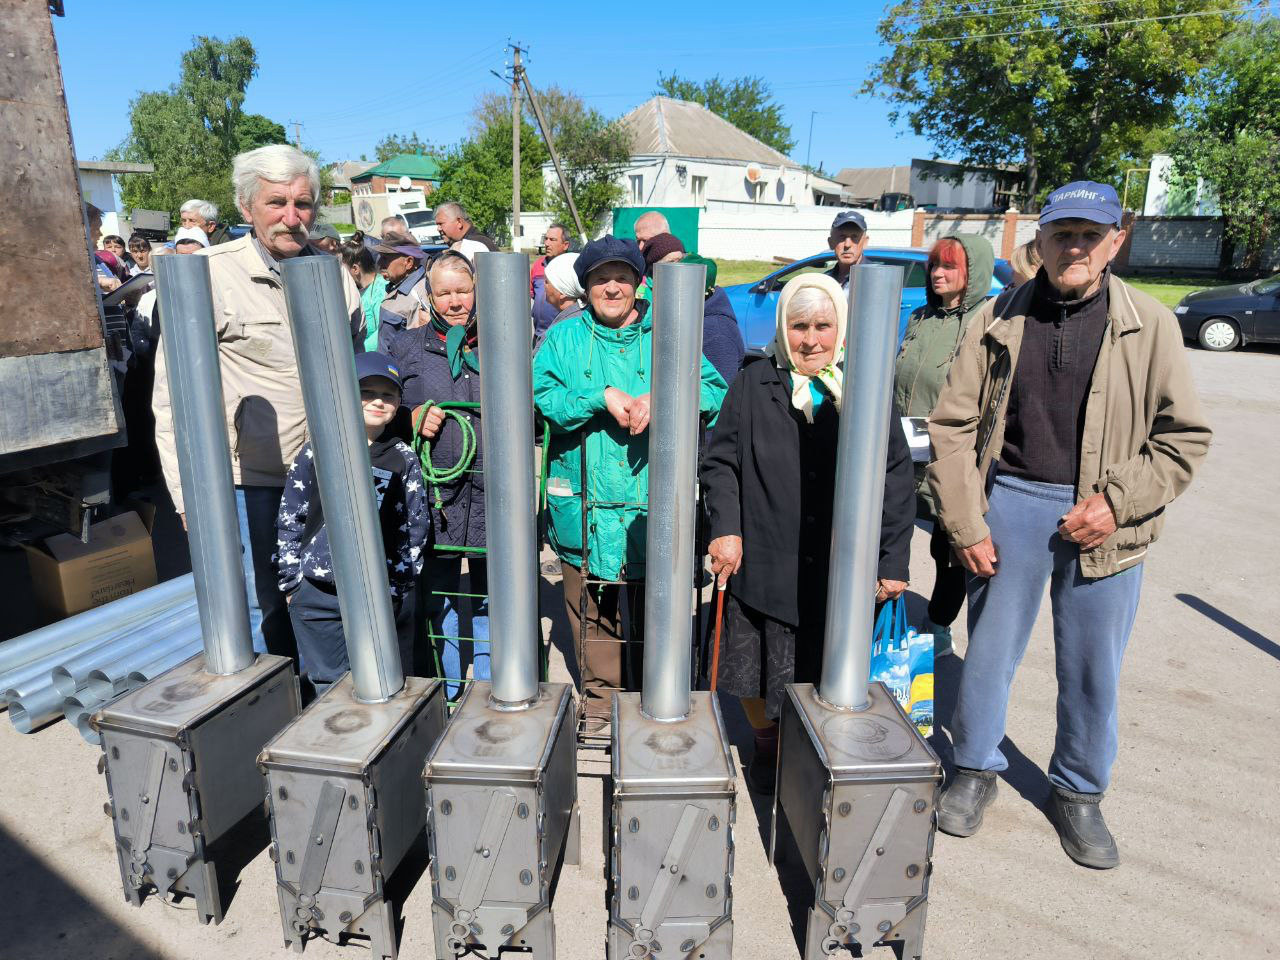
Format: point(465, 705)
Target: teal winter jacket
point(578, 360)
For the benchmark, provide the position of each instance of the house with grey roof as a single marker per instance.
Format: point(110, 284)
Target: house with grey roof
point(683, 155)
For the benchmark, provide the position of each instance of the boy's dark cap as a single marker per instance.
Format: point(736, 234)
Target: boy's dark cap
point(377, 365)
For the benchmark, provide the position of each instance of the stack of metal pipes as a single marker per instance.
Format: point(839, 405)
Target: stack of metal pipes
point(71, 668)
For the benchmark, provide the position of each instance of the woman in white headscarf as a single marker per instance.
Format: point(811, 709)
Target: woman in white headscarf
point(563, 291)
point(769, 482)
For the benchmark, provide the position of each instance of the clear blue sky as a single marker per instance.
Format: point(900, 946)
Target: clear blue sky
point(353, 72)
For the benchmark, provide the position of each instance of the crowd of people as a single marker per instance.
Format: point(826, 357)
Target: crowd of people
point(1061, 416)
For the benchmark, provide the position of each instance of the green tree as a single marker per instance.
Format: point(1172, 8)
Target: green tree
point(746, 102)
point(192, 131)
point(394, 144)
point(1065, 90)
point(477, 174)
point(1230, 135)
point(593, 153)
point(254, 130)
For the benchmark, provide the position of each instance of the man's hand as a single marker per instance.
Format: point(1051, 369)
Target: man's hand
point(639, 414)
point(979, 559)
point(1089, 523)
point(889, 589)
point(108, 284)
point(431, 423)
point(726, 557)
point(183, 518)
point(619, 406)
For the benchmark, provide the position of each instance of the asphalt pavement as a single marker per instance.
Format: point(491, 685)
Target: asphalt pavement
point(1194, 803)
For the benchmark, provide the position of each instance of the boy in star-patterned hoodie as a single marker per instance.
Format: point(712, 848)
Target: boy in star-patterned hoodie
point(303, 557)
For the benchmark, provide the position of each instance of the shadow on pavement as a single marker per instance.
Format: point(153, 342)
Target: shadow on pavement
point(48, 917)
point(1248, 635)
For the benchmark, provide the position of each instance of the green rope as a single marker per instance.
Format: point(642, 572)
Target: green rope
point(434, 475)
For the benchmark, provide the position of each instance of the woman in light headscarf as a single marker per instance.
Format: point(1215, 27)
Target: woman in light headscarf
point(769, 482)
point(563, 291)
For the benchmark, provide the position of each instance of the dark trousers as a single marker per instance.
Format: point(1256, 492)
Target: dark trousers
point(611, 654)
point(948, 581)
point(322, 645)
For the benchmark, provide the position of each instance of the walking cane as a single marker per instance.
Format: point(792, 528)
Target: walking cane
point(715, 647)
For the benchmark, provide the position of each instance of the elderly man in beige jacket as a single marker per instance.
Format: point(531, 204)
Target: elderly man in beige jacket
point(1068, 423)
point(276, 190)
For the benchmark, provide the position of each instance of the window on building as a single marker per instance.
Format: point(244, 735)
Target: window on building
point(699, 191)
point(637, 188)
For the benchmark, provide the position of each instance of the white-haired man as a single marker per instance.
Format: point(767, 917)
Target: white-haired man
point(203, 215)
point(276, 189)
point(649, 225)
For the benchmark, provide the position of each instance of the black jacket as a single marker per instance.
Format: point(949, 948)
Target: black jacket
point(769, 477)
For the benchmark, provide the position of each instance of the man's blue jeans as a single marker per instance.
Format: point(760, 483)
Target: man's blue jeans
point(1092, 620)
point(268, 612)
point(459, 624)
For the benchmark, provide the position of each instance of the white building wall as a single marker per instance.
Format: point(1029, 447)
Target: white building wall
point(753, 232)
point(664, 185)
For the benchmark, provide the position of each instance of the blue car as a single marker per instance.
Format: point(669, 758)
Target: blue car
point(756, 304)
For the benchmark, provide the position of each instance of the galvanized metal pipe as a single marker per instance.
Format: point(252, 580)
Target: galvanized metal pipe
point(871, 340)
point(37, 709)
point(105, 678)
point(156, 667)
point(675, 390)
point(204, 460)
point(73, 674)
point(331, 394)
point(506, 426)
point(109, 617)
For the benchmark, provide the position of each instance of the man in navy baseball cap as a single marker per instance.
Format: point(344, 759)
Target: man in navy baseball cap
point(1082, 200)
point(848, 239)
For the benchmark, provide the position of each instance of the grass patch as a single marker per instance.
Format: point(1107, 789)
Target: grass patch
point(730, 272)
point(1170, 290)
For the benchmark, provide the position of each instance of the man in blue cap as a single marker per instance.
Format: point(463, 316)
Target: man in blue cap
point(1068, 423)
point(848, 239)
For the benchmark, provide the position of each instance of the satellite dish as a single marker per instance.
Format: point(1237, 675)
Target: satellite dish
point(406, 183)
point(753, 173)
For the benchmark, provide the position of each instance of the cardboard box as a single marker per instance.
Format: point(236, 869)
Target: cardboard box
point(69, 576)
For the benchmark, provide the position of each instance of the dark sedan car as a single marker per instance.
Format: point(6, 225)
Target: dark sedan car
point(1222, 318)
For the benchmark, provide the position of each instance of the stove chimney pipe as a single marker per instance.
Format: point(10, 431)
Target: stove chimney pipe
point(871, 340)
point(326, 365)
point(204, 460)
point(675, 388)
point(506, 425)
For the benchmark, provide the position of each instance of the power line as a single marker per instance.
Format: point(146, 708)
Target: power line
point(1012, 8)
point(912, 41)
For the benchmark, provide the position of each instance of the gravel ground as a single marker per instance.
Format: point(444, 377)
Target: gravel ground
point(1193, 804)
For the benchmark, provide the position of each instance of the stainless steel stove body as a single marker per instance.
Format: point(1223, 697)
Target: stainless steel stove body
point(502, 796)
point(179, 754)
point(858, 789)
point(671, 834)
point(346, 805)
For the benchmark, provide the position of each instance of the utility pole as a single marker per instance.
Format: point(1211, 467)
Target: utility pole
point(522, 74)
point(517, 69)
point(809, 150)
point(297, 133)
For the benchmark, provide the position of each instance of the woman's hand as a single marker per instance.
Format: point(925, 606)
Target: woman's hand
point(640, 414)
point(726, 557)
point(431, 423)
point(889, 589)
point(108, 284)
point(619, 406)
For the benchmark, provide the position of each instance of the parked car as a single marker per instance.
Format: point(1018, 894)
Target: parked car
point(756, 304)
point(1223, 318)
point(422, 225)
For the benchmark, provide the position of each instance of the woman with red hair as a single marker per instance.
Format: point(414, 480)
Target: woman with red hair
point(958, 281)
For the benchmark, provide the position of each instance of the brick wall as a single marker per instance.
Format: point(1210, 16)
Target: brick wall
point(1004, 230)
point(1175, 243)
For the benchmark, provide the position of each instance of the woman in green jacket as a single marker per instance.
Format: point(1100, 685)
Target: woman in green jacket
point(591, 384)
point(958, 282)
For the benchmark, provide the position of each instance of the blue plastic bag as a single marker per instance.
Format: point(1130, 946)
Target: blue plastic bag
point(903, 660)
